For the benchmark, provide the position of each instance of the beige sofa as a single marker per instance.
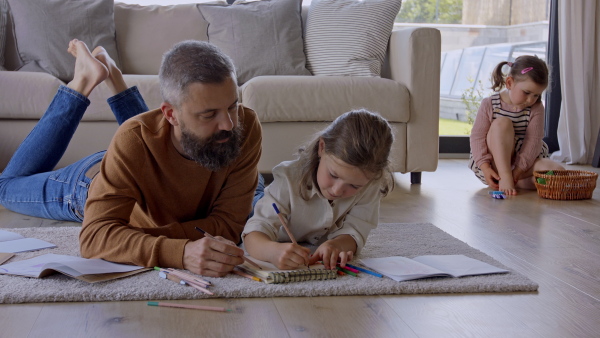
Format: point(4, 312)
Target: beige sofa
point(291, 108)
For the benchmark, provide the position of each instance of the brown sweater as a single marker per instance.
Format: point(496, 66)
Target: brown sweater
point(144, 204)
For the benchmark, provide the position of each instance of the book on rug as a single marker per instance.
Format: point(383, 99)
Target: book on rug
point(88, 270)
point(270, 274)
point(402, 268)
point(13, 243)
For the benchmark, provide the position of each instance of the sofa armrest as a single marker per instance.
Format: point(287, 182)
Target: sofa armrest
point(414, 60)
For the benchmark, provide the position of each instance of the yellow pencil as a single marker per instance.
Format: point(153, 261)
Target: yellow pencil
point(243, 274)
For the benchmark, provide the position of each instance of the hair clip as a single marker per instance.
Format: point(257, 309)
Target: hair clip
point(526, 70)
point(510, 64)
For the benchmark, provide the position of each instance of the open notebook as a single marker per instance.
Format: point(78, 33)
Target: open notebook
point(88, 270)
point(402, 268)
point(271, 275)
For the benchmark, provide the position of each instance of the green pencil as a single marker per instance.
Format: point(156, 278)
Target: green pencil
point(346, 271)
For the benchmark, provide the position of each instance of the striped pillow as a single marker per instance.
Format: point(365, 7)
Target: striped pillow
point(348, 37)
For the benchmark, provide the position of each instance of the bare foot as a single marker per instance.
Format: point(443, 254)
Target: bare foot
point(114, 81)
point(89, 72)
point(507, 186)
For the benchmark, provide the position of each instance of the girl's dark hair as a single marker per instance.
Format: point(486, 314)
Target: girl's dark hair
point(361, 139)
point(524, 67)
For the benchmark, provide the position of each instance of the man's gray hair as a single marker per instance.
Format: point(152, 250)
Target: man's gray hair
point(192, 61)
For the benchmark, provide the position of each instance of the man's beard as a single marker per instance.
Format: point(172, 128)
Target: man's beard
point(208, 152)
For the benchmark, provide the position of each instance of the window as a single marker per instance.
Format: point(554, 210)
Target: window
point(476, 36)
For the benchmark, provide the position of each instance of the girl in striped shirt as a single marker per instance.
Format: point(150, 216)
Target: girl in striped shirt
point(506, 139)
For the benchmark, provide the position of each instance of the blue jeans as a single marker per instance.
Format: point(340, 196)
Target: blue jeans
point(29, 186)
point(258, 193)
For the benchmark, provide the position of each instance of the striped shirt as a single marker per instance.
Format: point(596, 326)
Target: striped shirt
point(529, 131)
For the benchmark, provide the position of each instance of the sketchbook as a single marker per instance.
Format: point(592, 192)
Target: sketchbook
point(271, 275)
point(402, 269)
point(13, 243)
point(88, 270)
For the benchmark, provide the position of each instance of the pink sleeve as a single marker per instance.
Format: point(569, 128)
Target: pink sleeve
point(478, 137)
point(532, 144)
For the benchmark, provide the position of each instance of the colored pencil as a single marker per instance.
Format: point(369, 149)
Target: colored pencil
point(246, 259)
point(171, 277)
point(182, 275)
point(195, 284)
point(365, 270)
point(198, 284)
point(284, 223)
point(243, 274)
point(185, 306)
point(348, 268)
point(346, 271)
point(200, 288)
point(190, 278)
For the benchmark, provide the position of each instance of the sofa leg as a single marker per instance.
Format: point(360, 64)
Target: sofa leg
point(415, 177)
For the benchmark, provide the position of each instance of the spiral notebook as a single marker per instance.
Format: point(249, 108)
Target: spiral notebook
point(271, 275)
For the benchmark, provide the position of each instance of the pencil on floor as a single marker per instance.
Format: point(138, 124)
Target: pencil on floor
point(185, 306)
point(246, 259)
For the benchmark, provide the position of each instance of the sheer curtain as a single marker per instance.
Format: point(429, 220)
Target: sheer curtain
point(579, 50)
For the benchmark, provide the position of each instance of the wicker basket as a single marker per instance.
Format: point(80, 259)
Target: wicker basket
point(566, 184)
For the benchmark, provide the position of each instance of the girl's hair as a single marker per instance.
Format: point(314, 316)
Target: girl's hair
point(361, 139)
point(189, 62)
point(524, 67)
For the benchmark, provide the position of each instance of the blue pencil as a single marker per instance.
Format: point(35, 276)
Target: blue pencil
point(365, 270)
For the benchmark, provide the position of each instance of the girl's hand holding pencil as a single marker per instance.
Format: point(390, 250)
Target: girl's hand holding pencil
point(289, 256)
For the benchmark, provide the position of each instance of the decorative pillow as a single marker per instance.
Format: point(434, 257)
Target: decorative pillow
point(145, 33)
point(3, 19)
point(261, 37)
point(348, 37)
point(43, 30)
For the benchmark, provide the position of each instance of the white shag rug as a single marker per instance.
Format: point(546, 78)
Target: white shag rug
point(388, 239)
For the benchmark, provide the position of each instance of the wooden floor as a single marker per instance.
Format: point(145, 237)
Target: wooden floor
point(554, 243)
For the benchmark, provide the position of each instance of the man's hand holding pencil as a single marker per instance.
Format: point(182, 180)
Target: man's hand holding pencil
point(212, 258)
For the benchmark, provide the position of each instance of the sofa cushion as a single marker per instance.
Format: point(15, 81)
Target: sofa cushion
point(19, 104)
point(262, 37)
point(26, 95)
point(43, 30)
point(348, 37)
point(284, 98)
point(144, 33)
point(3, 21)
